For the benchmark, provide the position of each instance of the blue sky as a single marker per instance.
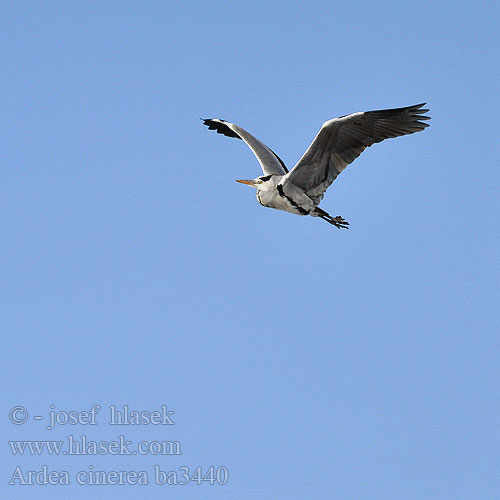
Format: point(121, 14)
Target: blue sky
point(308, 361)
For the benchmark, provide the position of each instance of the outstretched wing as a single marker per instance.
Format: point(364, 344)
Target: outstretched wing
point(341, 140)
point(270, 162)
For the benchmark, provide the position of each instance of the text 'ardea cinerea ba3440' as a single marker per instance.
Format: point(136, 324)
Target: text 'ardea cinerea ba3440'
point(339, 142)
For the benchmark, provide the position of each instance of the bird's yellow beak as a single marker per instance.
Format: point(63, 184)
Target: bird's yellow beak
point(250, 183)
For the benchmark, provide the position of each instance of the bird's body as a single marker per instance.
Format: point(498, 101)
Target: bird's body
point(339, 142)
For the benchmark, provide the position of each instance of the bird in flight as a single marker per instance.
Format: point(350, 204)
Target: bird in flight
point(339, 142)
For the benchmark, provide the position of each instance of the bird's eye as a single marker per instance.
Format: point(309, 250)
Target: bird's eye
point(266, 178)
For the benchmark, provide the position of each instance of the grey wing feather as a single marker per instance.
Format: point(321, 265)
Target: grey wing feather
point(270, 162)
point(341, 140)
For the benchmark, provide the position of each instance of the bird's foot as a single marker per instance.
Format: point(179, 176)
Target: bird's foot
point(335, 221)
point(339, 222)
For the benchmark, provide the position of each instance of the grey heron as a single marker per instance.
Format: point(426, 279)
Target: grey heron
point(339, 142)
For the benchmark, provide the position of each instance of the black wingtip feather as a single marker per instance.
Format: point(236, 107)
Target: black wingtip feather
point(220, 127)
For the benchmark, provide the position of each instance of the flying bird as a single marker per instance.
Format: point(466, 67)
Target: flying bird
point(339, 142)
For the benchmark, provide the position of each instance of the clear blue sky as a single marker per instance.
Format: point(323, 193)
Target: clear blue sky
point(311, 362)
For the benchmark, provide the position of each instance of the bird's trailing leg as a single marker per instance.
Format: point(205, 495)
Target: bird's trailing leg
point(336, 221)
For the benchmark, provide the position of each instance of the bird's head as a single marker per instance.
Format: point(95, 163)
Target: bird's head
point(258, 183)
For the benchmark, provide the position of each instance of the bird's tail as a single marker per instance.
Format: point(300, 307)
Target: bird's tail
point(335, 221)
